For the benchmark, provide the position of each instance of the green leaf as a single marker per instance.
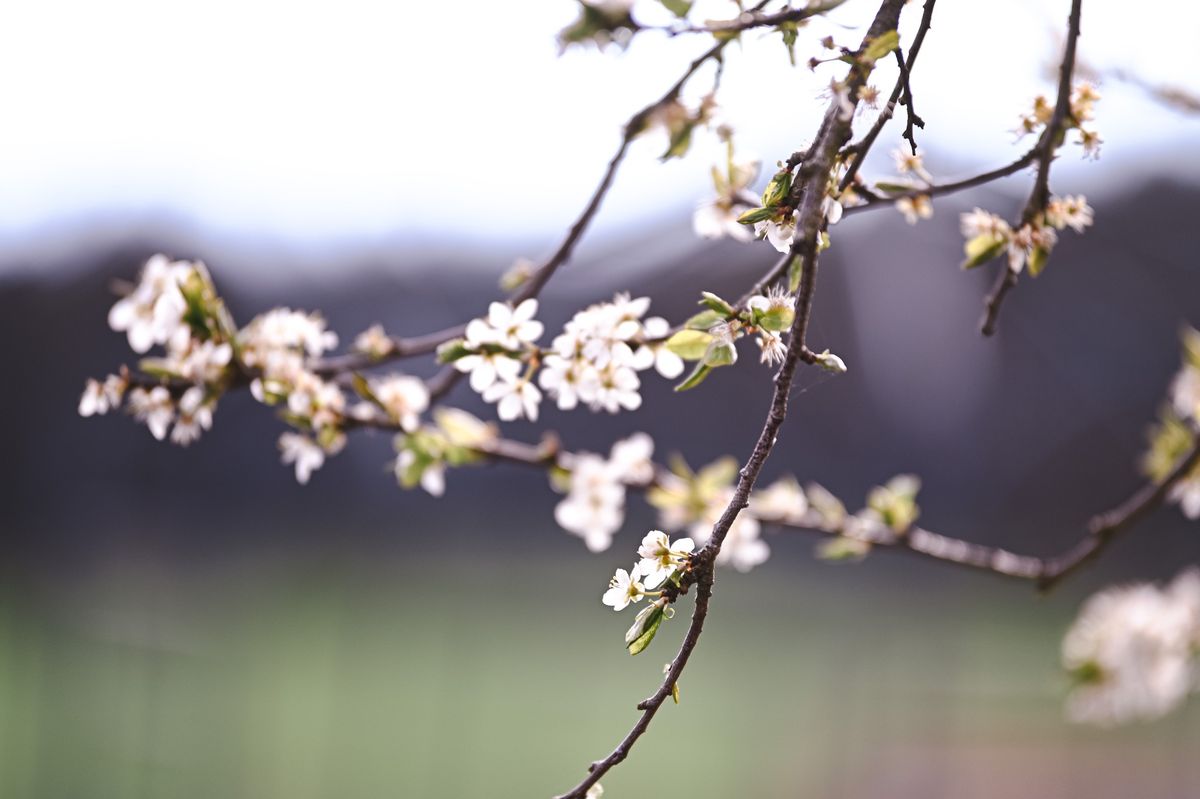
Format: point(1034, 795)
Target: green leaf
point(720, 353)
point(789, 32)
point(689, 344)
point(716, 304)
point(777, 190)
point(649, 630)
point(452, 350)
point(704, 320)
point(894, 188)
point(679, 8)
point(843, 549)
point(716, 475)
point(882, 45)
point(1037, 260)
point(363, 388)
point(681, 141)
point(795, 270)
point(756, 215)
point(695, 378)
point(982, 249)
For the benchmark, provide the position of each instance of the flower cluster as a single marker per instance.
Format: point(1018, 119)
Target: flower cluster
point(776, 219)
point(988, 236)
point(1175, 434)
point(890, 512)
point(661, 561)
point(1082, 111)
point(496, 348)
point(594, 508)
point(694, 501)
point(594, 361)
point(914, 177)
point(1132, 652)
point(173, 305)
point(456, 438)
point(718, 217)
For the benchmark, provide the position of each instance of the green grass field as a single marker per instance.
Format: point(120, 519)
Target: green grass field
point(428, 680)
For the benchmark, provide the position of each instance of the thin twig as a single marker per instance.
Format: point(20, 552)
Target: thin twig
point(748, 20)
point(863, 146)
point(1046, 147)
point(834, 132)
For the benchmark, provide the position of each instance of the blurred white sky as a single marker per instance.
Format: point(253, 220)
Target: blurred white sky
point(312, 123)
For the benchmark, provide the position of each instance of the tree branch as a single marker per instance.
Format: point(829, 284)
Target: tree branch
point(1046, 147)
point(814, 174)
point(863, 146)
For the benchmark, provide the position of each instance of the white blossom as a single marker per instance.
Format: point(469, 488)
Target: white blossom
point(514, 399)
point(629, 462)
point(374, 342)
point(403, 398)
point(1186, 493)
point(488, 367)
point(773, 350)
point(660, 557)
point(1133, 651)
point(625, 587)
point(100, 398)
point(594, 507)
point(319, 401)
point(654, 352)
point(743, 547)
point(915, 208)
point(1024, 241)
point(718, 217)
point(778, 232)
point(505, 326)
point(979, 222)
point(306, 454)
point(195, 416)
point(153, 312)
point(1071, 211)
point(200, 361)
point(595, 360)
point(909, 163)
point(154, 408)
point(782, 501)
point(433, 476)
point(278, 342)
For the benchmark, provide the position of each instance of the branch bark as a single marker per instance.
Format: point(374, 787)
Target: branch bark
point(814, 175)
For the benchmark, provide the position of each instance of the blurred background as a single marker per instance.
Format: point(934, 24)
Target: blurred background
point(192, 623)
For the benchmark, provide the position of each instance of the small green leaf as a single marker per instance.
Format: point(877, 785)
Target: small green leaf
point(894, 188)
point(704, 320)
point(695, 378)
point(843, 549)
point(795, 270)
point(716, 304)
point(452, 350)
point(982, 249)
point(777, 190)
point(720, 353)
point(689, 344)
point(1037, 260)
point(756, 215)
point(649, 630)
point(681, 141)
point(882, 45)
point(679, 8)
